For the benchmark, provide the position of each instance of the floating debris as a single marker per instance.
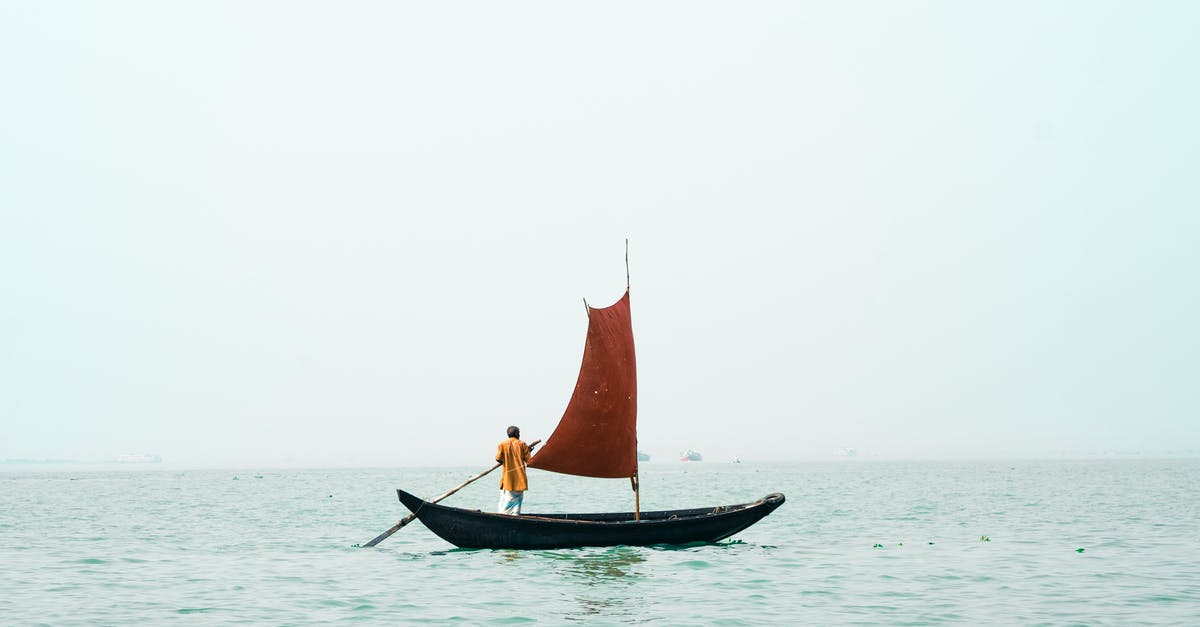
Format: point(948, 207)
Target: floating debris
point(877, 546)
point(1079, 550)
point(235, 478)
point(931, 543)
point(984, 539)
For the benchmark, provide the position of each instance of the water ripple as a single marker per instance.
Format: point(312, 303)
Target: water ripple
point(868, 543)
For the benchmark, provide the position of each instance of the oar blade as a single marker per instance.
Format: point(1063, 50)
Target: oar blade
point(384, 536)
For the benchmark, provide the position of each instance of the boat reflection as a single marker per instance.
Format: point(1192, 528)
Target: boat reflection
point(587, 565)
point(604, 571)
point(609, 564)
point(600, 570)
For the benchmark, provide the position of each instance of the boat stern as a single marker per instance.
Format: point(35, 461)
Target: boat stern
point(774, 499)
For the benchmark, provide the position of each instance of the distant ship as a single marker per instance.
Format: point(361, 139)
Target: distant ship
point(690, 456)
point(138, 458)
point(846, 452)
point(643, 457)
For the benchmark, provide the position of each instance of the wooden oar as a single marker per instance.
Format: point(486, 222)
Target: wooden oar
point(407, 519)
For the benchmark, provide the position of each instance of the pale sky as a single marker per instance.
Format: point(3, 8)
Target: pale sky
point(361, 233)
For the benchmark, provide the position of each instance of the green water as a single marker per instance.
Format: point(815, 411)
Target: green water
point(856, 543)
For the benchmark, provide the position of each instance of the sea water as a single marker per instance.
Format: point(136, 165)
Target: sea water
point(859, 542)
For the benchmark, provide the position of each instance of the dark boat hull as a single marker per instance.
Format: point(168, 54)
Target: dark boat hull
point(484, 530)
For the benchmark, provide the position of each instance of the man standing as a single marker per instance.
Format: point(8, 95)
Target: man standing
point(512, 454)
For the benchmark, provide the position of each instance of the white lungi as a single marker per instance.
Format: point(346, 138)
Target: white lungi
point(510, 502)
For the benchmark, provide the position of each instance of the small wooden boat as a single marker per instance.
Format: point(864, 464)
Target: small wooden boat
point(596, 437)
point(475, 529)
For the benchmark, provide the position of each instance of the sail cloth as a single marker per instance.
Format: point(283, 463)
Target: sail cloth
point(597, 435)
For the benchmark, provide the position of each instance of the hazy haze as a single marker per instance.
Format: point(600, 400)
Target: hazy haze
point(360, 233)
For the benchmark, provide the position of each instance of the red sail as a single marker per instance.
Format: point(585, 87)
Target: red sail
point(597, 436)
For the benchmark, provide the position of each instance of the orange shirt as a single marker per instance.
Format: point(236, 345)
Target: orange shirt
point(513, 454)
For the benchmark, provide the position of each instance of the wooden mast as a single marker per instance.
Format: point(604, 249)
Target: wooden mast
point(637, 495)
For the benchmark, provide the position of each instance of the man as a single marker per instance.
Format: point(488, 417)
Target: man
point(512, 454)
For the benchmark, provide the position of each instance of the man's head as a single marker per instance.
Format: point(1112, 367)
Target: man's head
point(514, 432)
